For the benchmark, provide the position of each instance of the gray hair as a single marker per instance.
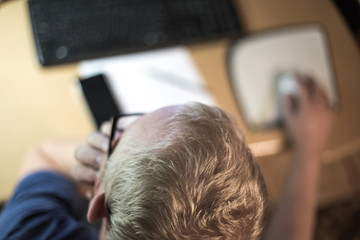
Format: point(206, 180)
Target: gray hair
point(199, 182)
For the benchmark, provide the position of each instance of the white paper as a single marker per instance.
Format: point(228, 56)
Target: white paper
point(144, 82)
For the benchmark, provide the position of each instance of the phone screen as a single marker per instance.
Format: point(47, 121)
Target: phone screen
point(99, 98)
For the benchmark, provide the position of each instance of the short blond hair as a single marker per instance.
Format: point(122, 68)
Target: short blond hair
point(199, 182)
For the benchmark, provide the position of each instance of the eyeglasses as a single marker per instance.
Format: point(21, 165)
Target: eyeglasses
point(119, 123)
point(116, 125)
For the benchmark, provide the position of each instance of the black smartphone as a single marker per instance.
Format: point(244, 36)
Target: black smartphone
point(99, 98)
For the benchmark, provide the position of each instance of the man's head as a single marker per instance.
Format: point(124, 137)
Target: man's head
point(184, 172)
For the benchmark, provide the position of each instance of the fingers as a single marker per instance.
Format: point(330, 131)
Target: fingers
point(86, 177)
point(307, 88)
point(311, 92)
point(98, 140)
point(310, 86)
point(323, 99)
point(85, 174)
point(87, 170)
point(291, 104)
point(89, 156)
point(105, 128)
point(291, 110)
point(309, 97)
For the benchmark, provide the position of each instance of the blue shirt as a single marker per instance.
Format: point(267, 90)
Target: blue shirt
point(45, 205)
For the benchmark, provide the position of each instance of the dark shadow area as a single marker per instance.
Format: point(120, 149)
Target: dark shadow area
point(339, 221)
point(2, 204)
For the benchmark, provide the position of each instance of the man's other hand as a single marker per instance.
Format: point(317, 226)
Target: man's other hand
point(308, 116)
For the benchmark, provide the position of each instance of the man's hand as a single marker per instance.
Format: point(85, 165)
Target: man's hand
point(90, 156)
point(308, 117)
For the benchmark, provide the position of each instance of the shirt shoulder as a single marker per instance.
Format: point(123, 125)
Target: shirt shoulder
point(45, 205)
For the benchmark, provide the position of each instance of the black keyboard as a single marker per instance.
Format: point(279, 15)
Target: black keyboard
point(72, 30)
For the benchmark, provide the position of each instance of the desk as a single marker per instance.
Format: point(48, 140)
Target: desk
point(37, 103)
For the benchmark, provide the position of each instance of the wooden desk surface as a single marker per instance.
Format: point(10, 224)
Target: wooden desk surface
point(37, 103)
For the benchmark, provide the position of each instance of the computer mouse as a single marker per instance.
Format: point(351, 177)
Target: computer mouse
point(287, 84)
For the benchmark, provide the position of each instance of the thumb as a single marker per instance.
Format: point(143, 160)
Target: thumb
point(290, 106)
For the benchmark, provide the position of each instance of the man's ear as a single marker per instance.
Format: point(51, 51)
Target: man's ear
point(97, 209)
